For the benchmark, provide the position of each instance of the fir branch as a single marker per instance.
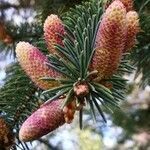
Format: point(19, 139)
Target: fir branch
point(16, 93)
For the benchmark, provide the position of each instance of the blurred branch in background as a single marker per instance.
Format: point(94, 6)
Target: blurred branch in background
point(6, 5)
point(23, 20)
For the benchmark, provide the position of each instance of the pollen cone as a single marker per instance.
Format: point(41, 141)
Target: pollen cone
point(46, 119)
point(34, 64)
point(53, 32)
point(133, 28)
point(127, 3)
point(110, 40)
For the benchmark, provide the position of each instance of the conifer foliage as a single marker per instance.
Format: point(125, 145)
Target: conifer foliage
point(93, 39)
point(84, 66)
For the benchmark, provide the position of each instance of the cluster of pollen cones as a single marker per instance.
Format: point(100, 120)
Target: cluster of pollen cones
point(116, 35)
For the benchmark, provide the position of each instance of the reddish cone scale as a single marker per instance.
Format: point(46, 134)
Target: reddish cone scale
point(81, 89)
point(6, 136)
point(53, 28)
point(133, 27)
point(46, 119)
point(110, 40)
point(69, 112)
point(34, 64)
point(70, 109)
